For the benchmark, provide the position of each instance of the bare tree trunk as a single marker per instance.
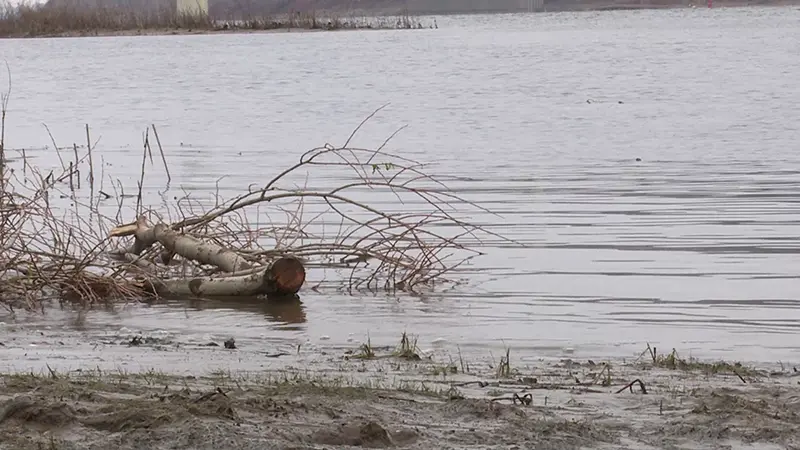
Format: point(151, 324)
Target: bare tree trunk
point(284, 276)
point(203, 252)
point(187, 246)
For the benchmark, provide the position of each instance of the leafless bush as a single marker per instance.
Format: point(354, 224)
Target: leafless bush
point(80, 253)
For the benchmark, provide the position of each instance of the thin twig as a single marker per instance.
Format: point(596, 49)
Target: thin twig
point(161, 150)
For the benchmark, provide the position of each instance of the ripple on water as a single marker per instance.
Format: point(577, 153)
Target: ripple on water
point(692, 246)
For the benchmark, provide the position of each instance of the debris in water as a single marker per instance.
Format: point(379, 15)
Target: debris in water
point(146, 258)
point(230, 344)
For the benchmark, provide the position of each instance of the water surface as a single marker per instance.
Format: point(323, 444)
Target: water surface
point(541, 117)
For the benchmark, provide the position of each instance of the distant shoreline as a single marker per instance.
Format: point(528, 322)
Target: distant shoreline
point(310, 24)
point(170, 32)
point(610, 6)
point(43, 21)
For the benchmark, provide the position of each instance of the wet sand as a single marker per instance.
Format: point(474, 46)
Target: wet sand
point(383, 397)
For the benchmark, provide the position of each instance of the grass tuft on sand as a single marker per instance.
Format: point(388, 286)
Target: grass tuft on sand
point(672, 361)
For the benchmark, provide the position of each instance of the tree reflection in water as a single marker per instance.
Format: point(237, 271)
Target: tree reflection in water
point(288, 310)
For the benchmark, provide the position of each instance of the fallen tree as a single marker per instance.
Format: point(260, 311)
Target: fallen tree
point(58, 242)
point(283, 276)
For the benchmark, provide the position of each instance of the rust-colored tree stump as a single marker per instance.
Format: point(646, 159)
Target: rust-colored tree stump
point(285, 276)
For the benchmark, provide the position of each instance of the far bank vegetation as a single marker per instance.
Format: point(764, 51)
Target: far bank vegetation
point(80, 18)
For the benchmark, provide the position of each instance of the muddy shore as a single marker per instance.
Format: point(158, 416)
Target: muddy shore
point(387, 397)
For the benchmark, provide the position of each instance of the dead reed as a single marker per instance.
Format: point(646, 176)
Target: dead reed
point(45, 20)
point(57, 242)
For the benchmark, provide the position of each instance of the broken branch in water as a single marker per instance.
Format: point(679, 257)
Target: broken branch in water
point(230, 249)
point(282, 277)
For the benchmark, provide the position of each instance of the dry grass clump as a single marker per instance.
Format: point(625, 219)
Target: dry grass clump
point(42, 254)
point(408, 348)
point(45, 252)
point(673, 361)
point(34, 20)
point(39, 251)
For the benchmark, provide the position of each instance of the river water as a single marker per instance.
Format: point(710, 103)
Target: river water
point(541, 116)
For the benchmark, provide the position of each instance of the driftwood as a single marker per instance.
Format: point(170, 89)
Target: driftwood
point(187, 246)
point(282, 276)
point(203, 252)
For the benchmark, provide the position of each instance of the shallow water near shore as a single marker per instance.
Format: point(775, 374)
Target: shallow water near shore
point(540, 117)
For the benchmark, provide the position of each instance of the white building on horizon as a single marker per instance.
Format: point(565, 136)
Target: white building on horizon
point(193, 7)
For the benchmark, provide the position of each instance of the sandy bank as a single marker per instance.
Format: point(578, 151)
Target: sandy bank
point(397, 399)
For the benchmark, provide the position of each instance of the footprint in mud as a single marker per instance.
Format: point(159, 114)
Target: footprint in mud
point(369, 434)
